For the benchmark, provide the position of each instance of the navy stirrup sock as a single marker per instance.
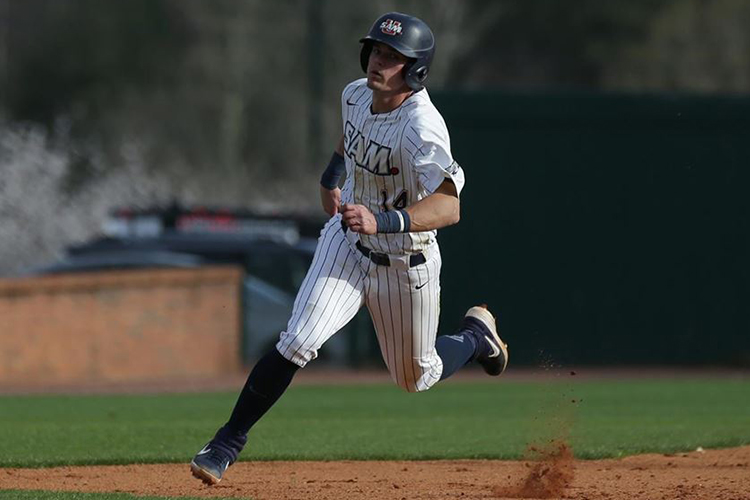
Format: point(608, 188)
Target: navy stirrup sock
point(456, 351)
point(266, 383)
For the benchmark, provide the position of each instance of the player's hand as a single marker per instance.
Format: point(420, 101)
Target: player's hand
point(331, 200)
point(359, 219)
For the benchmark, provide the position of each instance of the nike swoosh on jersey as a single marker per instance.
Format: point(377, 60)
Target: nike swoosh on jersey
point(421, 286)
point(495, 349)
point(350, 103)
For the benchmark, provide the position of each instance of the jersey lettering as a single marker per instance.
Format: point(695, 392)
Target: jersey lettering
point(373, 157)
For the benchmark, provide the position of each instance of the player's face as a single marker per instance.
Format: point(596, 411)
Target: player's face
point(385, 69)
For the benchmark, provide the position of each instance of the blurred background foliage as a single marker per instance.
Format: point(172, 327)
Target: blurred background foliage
point(237, 102)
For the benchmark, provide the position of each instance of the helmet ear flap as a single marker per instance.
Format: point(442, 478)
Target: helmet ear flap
point(415, 76)
point(421, 73)
point(408, 68)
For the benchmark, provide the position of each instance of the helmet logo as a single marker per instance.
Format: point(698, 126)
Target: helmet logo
point(391, 27)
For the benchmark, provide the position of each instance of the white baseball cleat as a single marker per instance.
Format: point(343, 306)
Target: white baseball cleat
point(494, 362)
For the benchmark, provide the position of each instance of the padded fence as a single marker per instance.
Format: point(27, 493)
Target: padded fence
point(604, 229)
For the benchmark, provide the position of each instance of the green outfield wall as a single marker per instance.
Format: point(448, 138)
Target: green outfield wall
point(605, 229)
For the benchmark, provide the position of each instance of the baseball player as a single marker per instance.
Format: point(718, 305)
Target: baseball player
point(378, 249)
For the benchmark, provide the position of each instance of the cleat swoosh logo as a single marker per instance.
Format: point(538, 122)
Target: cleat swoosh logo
point(495, 349)
point(205, 450)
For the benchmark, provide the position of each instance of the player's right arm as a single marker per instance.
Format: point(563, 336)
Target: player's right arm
point(330, 193)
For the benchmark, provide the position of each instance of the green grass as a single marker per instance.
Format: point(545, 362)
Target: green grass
point(67, 495)
point(459, 420)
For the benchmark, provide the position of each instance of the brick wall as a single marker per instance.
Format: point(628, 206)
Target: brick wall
point(120, 326)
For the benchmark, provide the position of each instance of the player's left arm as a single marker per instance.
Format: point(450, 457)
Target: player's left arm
point(440, 209)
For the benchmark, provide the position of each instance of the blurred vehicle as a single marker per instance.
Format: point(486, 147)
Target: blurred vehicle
point(274, 251)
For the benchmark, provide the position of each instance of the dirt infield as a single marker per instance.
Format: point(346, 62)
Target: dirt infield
point(709, 475)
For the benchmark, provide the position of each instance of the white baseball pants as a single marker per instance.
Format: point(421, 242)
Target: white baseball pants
point(404, 304)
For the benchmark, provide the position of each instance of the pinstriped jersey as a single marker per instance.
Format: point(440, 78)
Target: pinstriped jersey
point(394, 159)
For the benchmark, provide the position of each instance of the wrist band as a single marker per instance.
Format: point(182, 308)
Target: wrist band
point(393, 222)
point(333, 172)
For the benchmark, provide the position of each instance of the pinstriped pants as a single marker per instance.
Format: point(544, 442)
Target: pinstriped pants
point(341, 280)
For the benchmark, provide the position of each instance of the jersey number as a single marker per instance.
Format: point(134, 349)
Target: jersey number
point(399, 201)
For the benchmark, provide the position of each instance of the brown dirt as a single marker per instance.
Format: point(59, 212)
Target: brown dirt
point(551, 473)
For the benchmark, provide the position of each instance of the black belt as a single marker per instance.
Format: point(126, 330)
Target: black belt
point(382, 259)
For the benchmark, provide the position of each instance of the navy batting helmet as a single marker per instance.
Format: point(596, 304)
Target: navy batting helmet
point(408, 35)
